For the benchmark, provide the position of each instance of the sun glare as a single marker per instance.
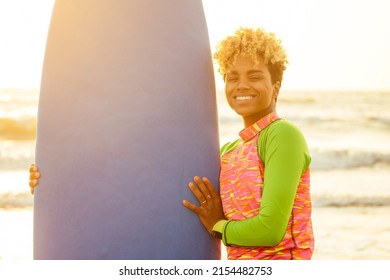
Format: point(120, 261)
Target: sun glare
point(23, 28)
point(329, 44)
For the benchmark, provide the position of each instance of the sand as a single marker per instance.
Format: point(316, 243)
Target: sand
point(342, 233)
point(16, 232)
point(352, 233)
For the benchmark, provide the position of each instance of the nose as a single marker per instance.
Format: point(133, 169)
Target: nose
point(242, 85)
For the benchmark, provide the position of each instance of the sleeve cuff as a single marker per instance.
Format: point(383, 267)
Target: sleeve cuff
point(218, 229)
point(219, 225)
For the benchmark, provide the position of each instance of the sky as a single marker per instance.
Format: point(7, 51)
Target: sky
point(331, 44)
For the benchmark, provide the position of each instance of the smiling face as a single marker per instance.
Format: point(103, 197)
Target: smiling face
point(249, 89)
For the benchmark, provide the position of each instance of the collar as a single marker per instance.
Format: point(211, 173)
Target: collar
point(254, 129)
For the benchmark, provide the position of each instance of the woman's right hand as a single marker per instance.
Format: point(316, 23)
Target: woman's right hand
point(34, 176)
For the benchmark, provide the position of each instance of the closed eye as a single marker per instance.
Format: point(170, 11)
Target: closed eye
point(232, 78)
point(255, 77)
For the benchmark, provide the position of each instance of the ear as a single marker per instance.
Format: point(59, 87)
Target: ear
point(276, 88)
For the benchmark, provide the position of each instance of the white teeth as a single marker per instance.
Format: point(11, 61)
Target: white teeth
point(243, 97)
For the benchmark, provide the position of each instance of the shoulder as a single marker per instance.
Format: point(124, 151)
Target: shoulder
point(283, 130)
point(282, 137)
point(226, 148)
point(284, 126)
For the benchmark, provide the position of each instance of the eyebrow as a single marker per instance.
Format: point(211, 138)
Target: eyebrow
point(255, 71)
point(249, 72)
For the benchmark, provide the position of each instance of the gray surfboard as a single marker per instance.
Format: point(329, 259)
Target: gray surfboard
point(127, 117)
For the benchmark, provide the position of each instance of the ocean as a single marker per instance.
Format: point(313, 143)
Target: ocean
point(348, 134)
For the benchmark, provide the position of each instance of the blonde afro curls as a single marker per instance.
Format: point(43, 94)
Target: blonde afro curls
point(255, 43)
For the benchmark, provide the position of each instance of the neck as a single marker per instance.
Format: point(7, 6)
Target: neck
point(248, 121)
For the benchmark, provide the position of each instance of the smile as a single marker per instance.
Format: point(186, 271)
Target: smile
point(246, 97)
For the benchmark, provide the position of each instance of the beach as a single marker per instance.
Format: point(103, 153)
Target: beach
point(348, 134)
point(352, 233)
point(341, 233)
point(346, 227)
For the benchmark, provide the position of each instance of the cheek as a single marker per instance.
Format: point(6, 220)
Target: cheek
point(228, 90)
point(228, 96)
point(268, 90)
point(228, 87)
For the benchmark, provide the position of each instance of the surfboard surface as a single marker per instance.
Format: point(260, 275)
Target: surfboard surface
point(127, 117)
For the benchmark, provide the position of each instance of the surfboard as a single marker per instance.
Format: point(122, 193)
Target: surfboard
point(127, 117)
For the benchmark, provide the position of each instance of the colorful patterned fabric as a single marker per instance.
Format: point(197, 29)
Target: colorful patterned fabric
point(241, 187)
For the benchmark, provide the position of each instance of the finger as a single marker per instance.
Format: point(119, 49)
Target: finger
point(33, 183)
point(35, 175)
point(210, 187)
point(191, 206)
point(197, 192)
point(33, 168)
point(203, 188)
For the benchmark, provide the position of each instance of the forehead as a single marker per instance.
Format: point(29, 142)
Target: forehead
point(244, 62)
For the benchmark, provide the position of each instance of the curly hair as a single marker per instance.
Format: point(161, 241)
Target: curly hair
point(255, 43)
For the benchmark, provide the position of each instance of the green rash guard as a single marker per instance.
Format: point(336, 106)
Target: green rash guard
point(282, 149)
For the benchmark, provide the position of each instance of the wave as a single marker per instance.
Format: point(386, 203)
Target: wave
point(20, 156)
point(350, 201)
point(339, 159)
point(26, 200)
point(18, 129)
point(16, 155)
point(16, 200)
point(300, 100)
point(22, 161)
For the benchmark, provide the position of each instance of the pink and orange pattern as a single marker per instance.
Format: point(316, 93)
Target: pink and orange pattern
point(241, 192)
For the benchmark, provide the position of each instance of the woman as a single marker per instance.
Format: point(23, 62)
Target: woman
point(264, 208)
